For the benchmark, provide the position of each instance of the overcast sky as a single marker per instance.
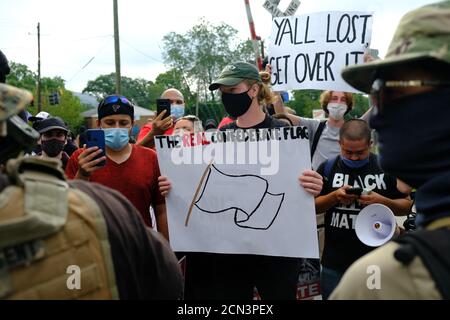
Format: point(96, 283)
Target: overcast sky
point(75, 31)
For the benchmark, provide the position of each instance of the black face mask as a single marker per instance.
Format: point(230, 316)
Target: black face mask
point(236, 104)
point(52, 147)
point(414, 136)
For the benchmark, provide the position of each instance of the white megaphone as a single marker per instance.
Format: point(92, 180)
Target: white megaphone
point(375, 225)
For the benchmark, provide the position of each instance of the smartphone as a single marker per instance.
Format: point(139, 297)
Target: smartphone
point(163, 104)
point(96, 138)
point(356, 191)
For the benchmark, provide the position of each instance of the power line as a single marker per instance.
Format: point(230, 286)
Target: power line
point(141, 52)
point(59, 41)
point(87, 63)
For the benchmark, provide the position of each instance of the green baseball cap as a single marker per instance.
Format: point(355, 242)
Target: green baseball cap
point(422, 36)
point(235, 73)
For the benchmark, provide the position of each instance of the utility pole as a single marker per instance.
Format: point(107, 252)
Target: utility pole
point(39, 101)
point(117, 47)
point(255, 38)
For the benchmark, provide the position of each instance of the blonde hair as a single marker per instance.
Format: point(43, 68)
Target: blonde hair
point(265, 95)
point(265, 77)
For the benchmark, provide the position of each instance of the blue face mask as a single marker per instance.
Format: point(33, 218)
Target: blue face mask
point(355, 164)
point(177, 110)
point(116, 138)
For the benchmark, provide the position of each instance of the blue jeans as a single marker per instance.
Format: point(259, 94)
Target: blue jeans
point(329, 279)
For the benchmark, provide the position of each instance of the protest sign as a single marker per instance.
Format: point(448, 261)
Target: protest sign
point(309, 51)
point(238, 192)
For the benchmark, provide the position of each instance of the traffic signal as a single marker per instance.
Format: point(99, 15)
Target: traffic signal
point(53, 98)
point(56, 97)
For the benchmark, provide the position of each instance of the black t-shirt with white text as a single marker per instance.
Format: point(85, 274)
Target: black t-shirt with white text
point(342, 246)
point(268, 123)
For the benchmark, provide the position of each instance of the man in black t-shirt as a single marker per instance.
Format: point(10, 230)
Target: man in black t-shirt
point(355, 167)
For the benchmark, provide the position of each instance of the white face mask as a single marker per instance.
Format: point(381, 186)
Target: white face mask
point(337, 110)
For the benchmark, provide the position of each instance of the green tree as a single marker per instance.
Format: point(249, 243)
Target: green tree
point(139, 91)
point(360, 106)
point(244, 52)
point(202, 52)
point(102, 86)
point(210, 110)
point(305, 101)
point(174, 79)
point(142, 92)
point(52, 84)
point(21, 77)
point(69, 108)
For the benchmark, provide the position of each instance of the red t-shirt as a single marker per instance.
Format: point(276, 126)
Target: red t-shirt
point(147, 128)
point(136, 178)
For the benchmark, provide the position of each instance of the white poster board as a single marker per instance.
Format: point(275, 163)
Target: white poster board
point(309, 51)
point(247, 200)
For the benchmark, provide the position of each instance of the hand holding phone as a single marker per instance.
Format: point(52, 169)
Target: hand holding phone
point(161, 105)
point(356, 191)
point(96, 138)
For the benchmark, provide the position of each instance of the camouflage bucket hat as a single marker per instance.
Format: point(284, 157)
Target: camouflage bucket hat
point(12, 100)
point(235, 73)
point(423, 35)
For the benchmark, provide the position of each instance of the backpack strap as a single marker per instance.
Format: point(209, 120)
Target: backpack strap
point(45, 200)
point(433, 247)
point(329, 165)
point(317, 135)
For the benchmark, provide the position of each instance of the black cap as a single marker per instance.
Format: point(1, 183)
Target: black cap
point(51, 123)
point(115, 104)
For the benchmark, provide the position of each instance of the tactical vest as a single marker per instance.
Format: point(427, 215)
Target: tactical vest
point(53, 239)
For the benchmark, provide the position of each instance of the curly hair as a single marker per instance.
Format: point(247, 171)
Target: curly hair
point(325, 98)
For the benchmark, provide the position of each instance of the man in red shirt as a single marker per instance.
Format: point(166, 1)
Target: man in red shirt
point(164, 126)
point(130, 169)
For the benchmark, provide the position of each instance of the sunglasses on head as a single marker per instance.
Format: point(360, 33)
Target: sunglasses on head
point(115, 99)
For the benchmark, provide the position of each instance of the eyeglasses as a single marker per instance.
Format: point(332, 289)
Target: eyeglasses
point(115, 99)
point(379, 94)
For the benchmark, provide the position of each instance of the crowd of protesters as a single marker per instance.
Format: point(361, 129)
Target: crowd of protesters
point(341, 155)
